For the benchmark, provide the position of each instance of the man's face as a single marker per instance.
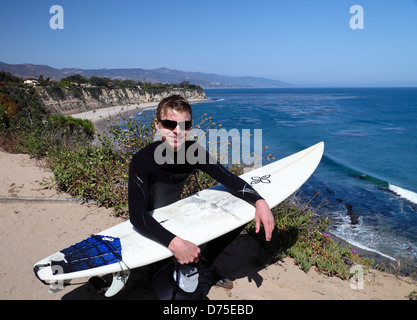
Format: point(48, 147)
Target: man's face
point(174, 138)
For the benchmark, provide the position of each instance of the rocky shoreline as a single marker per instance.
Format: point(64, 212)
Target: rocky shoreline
point(68, 102)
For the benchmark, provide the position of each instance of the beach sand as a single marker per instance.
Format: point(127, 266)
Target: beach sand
point(31, 230)
point(101, 117)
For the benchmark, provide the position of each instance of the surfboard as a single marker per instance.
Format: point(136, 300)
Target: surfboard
point(199, 218)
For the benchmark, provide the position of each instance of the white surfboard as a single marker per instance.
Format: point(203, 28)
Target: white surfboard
point(199, 218)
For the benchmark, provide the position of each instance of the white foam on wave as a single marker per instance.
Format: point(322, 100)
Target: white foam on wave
point(404, 193)
point(360, 245)
point(356, 235)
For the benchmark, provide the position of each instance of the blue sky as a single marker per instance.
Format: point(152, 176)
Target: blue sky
point(305, 42)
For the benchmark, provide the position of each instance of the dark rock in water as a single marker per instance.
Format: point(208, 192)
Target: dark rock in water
point(354, 220)
point(330, 191)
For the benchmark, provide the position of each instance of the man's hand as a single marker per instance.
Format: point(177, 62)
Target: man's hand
point(184, 251)
point(264, 215)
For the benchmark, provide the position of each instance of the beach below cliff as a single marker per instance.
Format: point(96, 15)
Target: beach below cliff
point(31, 230)
point(103, 116)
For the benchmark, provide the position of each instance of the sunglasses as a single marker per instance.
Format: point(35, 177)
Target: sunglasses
point(171, 124)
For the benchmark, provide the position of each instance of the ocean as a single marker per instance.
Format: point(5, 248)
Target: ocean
point(368, 174)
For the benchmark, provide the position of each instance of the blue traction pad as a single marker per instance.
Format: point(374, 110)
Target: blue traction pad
point(95, 251)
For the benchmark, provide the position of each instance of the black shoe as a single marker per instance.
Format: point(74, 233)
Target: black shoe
point(220, 280)
point(100, 284)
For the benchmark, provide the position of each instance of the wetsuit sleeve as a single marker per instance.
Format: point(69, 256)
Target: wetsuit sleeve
point(138, 197)
point(236, 185)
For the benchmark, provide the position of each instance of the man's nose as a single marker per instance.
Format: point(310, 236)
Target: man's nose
point(179, 127)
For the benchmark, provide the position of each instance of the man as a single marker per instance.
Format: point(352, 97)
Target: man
point(153, 185)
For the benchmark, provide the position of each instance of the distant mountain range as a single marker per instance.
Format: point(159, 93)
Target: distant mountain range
point(161, 75)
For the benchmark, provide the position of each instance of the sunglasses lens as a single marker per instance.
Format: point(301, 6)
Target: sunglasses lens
point(188, 125)
point(171, 125)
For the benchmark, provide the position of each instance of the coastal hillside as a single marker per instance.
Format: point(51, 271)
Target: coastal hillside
point(162, 75)
point(76, 94)
point(67, 102)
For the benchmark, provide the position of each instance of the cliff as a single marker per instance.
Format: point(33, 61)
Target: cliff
point(77, 100)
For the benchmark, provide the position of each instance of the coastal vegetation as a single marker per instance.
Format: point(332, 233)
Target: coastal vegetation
point(76, 82)
point(94, 165)
point(76, 94)
point(299, 234)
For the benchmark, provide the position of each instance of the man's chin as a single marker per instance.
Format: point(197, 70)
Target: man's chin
point(175, 144)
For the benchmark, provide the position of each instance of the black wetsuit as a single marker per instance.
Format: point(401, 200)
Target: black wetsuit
point(153, 185)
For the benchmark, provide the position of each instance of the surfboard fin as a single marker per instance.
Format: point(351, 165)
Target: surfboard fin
point(110, 286)
point(119, 281)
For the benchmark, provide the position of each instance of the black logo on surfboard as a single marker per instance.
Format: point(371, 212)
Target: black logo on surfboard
point(263, 179)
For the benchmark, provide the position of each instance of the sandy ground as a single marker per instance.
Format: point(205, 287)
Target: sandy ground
point(101, 117)
point(32, 230)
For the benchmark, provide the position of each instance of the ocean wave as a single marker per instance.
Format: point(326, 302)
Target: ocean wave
point(356, 235)
point(362, 246)
point(353, 133)
point(399, 130)
point(379, 183)
point(404, 193)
